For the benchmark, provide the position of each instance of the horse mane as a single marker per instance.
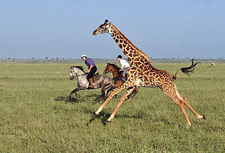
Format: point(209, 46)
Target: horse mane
point(115, 66)
point(80, 67)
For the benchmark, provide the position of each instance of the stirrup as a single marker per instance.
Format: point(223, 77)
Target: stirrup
point(124, 79)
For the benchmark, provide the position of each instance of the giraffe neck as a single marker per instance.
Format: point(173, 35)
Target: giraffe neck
point(129, 49)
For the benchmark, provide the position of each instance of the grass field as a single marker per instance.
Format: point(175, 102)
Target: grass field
point(34, 116)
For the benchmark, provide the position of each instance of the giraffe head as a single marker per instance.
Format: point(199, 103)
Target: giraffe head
point(103, 28)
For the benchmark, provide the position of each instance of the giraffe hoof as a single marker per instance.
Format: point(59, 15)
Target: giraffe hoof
point(204, 117)
point(108, 120)
point(189, 125)
point(129, 100)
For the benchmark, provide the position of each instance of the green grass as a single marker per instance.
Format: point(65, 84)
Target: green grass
point(34, 116)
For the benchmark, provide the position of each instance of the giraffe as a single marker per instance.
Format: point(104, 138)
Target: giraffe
point(142, 73)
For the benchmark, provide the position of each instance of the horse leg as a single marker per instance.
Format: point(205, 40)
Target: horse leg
point(103, 91)
point(107, 88)
point(172, 92)
point(118, 84)
point(113, 87)
point(133, 93)
point(124, 86)
point(128, 92)
point(74, 91)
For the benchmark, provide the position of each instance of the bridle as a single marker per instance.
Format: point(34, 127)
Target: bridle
point(105, 73)
point(111, 71)
point(79, 74)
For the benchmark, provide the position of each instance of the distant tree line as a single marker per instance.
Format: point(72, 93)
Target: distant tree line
point(101, 60)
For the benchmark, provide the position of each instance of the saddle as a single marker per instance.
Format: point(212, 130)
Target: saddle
point(96, 77)
point(120, 78)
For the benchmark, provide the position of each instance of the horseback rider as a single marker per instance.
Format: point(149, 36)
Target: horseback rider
point(124, 66)
point(91, 69)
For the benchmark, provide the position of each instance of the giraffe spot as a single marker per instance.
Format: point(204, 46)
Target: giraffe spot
point(125, 52)
point(120, 45)
point(130, 55)
point(116, 40)
point(124, 45)
point(121, 41)
point(137, 58)
point(139, 63)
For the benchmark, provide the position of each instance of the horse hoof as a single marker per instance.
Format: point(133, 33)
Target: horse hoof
point(78, 96)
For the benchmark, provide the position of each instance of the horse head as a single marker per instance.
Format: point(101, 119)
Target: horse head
point(75, 71)
point(107, 69)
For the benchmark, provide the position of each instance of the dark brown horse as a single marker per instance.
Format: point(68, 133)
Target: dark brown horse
point(118, 78)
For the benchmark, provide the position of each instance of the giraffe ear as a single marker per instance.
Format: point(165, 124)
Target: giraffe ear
point(110, 24)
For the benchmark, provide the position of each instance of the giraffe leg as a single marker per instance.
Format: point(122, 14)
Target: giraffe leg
point(181, 105)
point(189, 106)
point(128, 92)
point(106, 101)
point(172, 92)
point(114, 92)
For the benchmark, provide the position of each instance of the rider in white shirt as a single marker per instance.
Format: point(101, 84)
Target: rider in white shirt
point(124, 65)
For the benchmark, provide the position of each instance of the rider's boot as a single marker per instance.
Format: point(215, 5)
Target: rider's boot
point(91, 83)
point(124, 78)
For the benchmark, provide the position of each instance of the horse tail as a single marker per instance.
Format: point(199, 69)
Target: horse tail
point(187, 70)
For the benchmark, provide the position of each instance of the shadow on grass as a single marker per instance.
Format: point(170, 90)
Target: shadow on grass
point(98, 98)
point(72, 100)
point(104, 116)
point(80, 100)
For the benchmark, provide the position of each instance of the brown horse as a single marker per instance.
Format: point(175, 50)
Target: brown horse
point(118, 78)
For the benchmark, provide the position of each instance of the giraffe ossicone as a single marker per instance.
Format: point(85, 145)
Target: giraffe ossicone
point(142, 73)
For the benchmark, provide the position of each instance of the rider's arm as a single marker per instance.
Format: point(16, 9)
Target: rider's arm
point(122, 65)
point(89, 69)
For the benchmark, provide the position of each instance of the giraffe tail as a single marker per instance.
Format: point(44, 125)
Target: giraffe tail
point(187, 70)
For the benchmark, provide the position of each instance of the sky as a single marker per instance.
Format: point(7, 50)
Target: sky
point(63, 28)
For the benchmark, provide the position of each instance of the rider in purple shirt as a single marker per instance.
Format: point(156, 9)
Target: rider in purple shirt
point(89, 62)
point(91, 69)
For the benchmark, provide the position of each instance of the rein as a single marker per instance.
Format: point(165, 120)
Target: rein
point(80, 74)
point(114, 71)
point(114, 78)
point(119, 72)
